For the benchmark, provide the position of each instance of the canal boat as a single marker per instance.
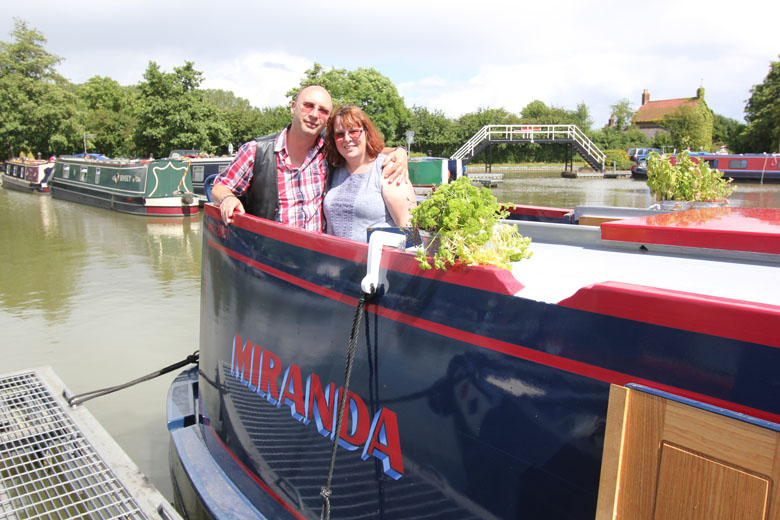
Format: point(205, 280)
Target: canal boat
point(626, 370)
point(31, 175)
point(161, 188)
point(202, 168)
point(740, 167)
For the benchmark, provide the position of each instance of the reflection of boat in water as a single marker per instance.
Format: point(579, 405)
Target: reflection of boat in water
point(30, 175)
point(159, 187)
point(638, 357)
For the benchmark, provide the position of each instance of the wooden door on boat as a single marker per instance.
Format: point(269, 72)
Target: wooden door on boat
point(667, 460)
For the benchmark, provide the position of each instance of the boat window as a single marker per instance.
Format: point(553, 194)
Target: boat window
point(65, 170)
point(737, 164)
point(197, 173)
point(713, 163)
point(97, 175)
point(83, 173)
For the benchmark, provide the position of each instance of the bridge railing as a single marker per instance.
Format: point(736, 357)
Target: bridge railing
point(529, 133)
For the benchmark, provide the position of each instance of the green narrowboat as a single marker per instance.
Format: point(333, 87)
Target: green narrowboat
point(161, 187)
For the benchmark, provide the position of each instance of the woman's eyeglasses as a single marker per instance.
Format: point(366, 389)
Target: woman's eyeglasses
point(354, 133)
point(308, 106)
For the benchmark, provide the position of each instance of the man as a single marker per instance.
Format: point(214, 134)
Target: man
point(282, 177)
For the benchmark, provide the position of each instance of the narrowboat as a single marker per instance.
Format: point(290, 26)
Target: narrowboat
point(202, 168)
point(740, 167)
point(161, 188)
point(629, 369)
point(31, 175)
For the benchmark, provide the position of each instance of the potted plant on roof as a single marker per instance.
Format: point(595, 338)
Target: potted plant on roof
point(460, 224)
point(687, 183)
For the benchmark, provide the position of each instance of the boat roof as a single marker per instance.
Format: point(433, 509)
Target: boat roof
point(725, 252)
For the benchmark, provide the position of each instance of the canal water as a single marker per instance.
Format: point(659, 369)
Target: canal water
point(104, 297)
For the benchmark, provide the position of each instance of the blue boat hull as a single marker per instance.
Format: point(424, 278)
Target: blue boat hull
point(465, 400)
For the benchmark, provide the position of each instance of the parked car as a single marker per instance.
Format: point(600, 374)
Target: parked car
point(639, 155)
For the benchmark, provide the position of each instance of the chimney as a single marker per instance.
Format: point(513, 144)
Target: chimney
point(645, 97)
point(700, 93)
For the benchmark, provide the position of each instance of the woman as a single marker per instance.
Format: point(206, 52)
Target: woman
point(358, 197)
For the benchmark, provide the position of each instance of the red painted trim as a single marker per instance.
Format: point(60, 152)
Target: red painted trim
point(178, 211)
point(733, 229)
point(256, 478)
point(478, 277)
point(539, 211)
point(726, 317)
point(542, 358)
point(311, 287)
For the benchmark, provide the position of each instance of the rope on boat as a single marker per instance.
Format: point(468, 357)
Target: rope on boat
point(325, 492)
point(74, 400)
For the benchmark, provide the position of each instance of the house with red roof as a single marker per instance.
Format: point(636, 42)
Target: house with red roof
point(649, 116)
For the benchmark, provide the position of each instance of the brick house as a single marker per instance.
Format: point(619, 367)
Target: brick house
point(649, 116)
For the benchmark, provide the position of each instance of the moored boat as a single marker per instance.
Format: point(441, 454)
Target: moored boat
point(30, 175)
point(161, 187)
point(740, 167)
point(201, 168)
point(485, 393)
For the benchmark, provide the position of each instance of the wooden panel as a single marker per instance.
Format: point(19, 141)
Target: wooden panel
point(731, 441)
point(677, 461)
point(613, 444)
point(586, 220)
point(711, 490)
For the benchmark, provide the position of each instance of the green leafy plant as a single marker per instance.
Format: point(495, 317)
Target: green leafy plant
point(464, 223)
point(686, 180)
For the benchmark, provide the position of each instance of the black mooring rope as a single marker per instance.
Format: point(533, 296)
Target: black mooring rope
point(325, 492)
point(74, 400)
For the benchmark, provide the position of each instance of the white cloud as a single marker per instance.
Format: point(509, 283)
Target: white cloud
point(453, 55)
point(263, 78)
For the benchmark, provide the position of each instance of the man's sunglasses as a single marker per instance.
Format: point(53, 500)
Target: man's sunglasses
point(322, 112)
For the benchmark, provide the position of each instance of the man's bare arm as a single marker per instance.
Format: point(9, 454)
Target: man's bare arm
point(227, 201)
point(395, 167)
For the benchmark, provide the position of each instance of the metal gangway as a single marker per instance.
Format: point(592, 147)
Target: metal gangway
point(570, 135)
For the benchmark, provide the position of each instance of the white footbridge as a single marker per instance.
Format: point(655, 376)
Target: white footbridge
point(531, 133)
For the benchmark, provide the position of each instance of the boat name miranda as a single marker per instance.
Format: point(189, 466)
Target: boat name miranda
point(259, 369)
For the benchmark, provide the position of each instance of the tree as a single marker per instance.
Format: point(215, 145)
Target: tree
point(622, 114)
point(690, 127)
point(109, 114)
point(173, 113)
point(244, 121)
point(374, 93)
point(762, 114)
point(39, 110)
point(433, 132)
point(726, 132)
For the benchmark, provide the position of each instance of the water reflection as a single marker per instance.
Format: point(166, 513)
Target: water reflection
point(103, 298)
point(48, 245)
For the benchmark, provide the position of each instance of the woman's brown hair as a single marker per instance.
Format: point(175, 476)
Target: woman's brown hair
point(352, 116)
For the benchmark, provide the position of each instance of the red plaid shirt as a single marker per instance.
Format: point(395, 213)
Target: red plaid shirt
point(300, 189)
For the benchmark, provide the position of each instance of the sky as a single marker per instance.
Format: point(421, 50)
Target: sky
point(452, 55)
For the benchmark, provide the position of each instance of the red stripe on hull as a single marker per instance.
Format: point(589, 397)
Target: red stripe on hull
point(183, 211)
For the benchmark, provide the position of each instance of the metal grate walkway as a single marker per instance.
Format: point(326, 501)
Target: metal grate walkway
point(48, 468)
